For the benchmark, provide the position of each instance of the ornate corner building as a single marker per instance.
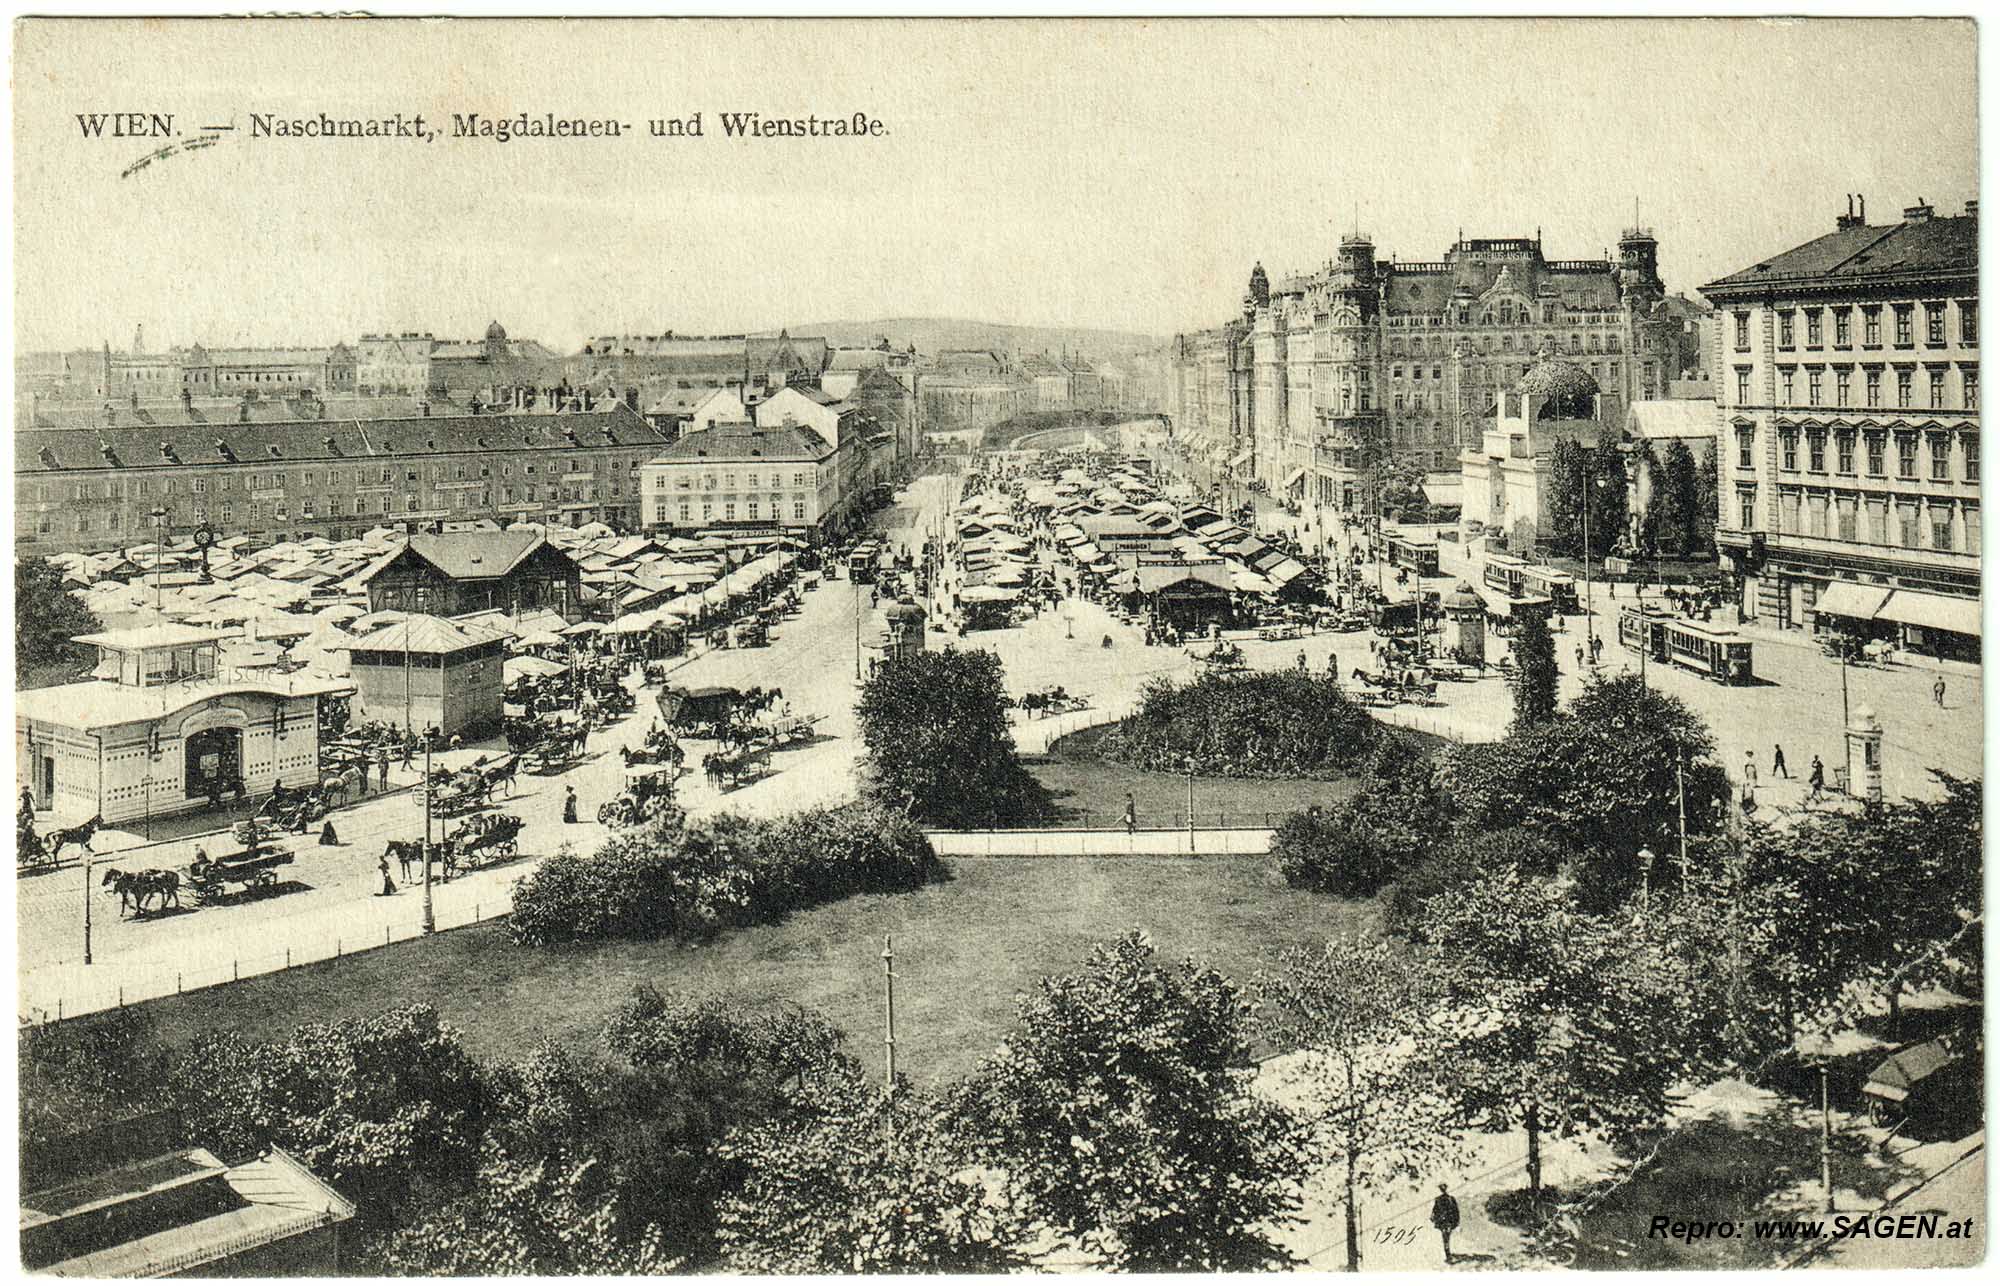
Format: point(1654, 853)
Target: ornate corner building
point(1369, 357)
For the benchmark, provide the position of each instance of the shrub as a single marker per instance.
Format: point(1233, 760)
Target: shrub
point(1356, 847)
point(1281, 724)
point(674, 879)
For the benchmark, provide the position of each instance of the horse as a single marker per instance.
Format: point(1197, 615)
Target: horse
point(53, 842)
point(495, 774)
point(405, 852)
point(134, 887)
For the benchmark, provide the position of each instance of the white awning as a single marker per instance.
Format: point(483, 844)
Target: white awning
point(1293, 478)
point(1844, 598)
point(1932, 611)
point(1239, 460)
point(1286, 571)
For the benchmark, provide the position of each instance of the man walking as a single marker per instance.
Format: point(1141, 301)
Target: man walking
point(1937, 692)
point(569, 805)
point(1778, 763)
point(1816, 779)
point(1444, 1218)
point(1131, 814)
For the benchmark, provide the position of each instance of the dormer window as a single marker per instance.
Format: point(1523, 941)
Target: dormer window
point(276, 454)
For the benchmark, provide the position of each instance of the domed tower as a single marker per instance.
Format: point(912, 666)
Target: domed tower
point(1554, 389)
point(1639, 265)
point(903, 630)
point(495, 346)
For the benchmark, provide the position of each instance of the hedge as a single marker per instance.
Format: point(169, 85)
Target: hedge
point(1285, 723)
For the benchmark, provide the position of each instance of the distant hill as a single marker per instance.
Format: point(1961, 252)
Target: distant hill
point(933, 335)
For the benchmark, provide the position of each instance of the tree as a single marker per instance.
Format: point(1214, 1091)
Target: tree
point(938, 745)
point(846, 1181)
point(526, 1219)
point(46, 617)
point(76, 1075)
point(1358, 1011)
point(1604, 779)
point(1358, 845)
point(1566, 464)
point(1123, 1113)
point(1676, 500)
point(1554, 1019)
point(377, 1106)
point(1535, 681)
point(1606, 466)
point(1708, 500)
point(1283, 723)
point(1468, 855)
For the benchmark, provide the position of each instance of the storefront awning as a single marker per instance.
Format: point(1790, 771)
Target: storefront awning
point(1844, 598)
point(1240, 459)
point(1293, 478)
point(1932, 611)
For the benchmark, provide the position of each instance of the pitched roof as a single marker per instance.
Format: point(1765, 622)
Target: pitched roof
point(726, 443)
point(469, 555)
point(427, 635)
point(1664, 418)
point(44, 450)
point(1852, 256)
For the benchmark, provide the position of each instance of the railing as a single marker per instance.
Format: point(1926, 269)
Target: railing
point(67, 997)
point(173, 1264)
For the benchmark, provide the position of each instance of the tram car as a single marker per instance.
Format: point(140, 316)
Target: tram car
point(1558, 587)
point(1418, 557)
point(1711, 650)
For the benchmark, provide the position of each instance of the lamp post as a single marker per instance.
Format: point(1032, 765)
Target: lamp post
point(1190, 772)
point(1589, 618)
point(430, 919)
point(86, 904)
point(159, 517)
point(1645, 880)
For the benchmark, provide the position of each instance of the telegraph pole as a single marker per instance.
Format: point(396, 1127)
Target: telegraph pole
point(430, 919)
point(889, 1016)
point(86, 904)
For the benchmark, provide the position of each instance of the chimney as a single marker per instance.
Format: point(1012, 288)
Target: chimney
point(135, 399)
point(1972, 209)
point(424, 408)
point(187, 399)
point(1918, 213)
point(1843, 222)
point(111, 413)
point(243, 411)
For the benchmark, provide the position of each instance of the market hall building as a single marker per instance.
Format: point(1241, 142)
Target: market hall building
point(160, 728)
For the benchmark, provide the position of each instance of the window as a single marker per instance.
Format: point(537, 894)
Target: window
point(1876, 466)
point(1940, 457)
point(1843, 327)
point(659, 511)
point(1874, 379)
point(729, 511)
point(1906, 455)
point(1742, 385)
point(1816, 516)
point(1941, 527)
point(798, 479)
point(1971, 446)
point(1906, 525)
point(1814, 334)
point(306, 507)
point(360, 504)
point(1742, 334)
point(1903, 389)
point(729, 482)
point(755, 509)
point(1971, 516)
point(1843, 381)
point(1903, 337)
point(1816, 450)
point(1871, 327)
point(198, 486)
point(798, 511)
point(1934, 323)
point(1746, 441)
point(685, 507)
point(1844, 517)
point(1968, 324)
point(1843, 451)
point(1788, 449)
point(1968, 391)
point(1813, 387)
point(752, 485)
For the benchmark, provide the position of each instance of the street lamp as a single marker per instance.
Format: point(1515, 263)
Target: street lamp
point(1645, 879)
point(1190, 773)
point(430, 919)
point(159, 517)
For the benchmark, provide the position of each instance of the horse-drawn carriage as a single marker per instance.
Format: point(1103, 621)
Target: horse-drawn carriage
point(453, 793)
point(649, 788)
point(787, 730)
point(482, 840)
point(1223, 657)
point(659, 749)
point(554, 753)
point(1051, 701)
point(35, 852)
point(751, 632)
point(282, 811)
point(707, 712)
point(253, 867)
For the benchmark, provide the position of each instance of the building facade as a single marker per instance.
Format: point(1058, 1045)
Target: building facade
point(458, 572)
point(1505, 479)
point(97, 488)
point(1846, 375)
point(1368, 356)
point(785, 477)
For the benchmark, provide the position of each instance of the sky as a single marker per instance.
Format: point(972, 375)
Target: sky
point(1122, 174)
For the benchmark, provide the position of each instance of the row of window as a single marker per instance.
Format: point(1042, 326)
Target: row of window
point(1875, 520)
point(753, 511)
point(311, 480)
point(224, 512)
point(1938, 446)
point(1936, 386)
point(1903, 319)
point(685, 481)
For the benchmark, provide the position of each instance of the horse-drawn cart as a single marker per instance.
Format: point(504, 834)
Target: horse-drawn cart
point(255, 867)
point(554, 753)
point(791, 730)
point(648, 789)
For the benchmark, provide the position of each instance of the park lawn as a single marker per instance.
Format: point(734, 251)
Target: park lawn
point(965, 949)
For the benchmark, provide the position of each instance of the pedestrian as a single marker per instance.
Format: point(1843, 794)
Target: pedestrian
point(1131, 814)
point(1778, 763)
point(1579, 656)
point(388, 885)
point(569, 805)
point(1749, 769)
point(409, 751)
point(1302, 660)
point(457, 741)
point(381, 766)
point(1816, 779)
point(405, 854)
point(327, 838)
point(1444, 1218)
point(1937, 691)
